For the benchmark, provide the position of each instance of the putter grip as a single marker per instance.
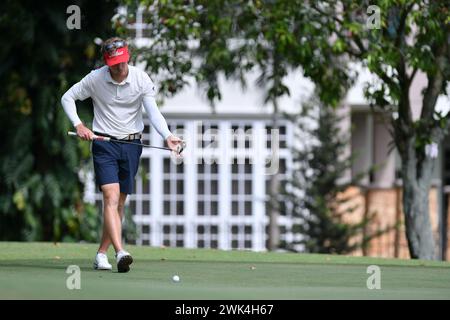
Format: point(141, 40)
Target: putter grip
point(71, 133)
point(100, 138)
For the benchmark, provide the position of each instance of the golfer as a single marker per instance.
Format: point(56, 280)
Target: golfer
point(118, 92)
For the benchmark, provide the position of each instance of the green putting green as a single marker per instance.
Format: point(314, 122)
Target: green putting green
point(38, 271)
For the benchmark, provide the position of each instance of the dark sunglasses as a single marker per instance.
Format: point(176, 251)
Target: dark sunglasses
point(113, 46)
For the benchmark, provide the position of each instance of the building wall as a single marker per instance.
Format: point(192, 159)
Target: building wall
point(372, 146)
point(447, 229)
point(362, 144)
point(385, 204)
point(384, 153)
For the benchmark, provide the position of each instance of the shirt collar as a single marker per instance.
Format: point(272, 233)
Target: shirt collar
point(108, 77)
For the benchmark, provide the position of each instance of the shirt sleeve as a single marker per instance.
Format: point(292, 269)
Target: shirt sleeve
point(155, 116)
point(79, 91)
point(148, 88)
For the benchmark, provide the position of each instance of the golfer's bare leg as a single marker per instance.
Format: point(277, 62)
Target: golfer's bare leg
point(111, 219)
point(106, 240)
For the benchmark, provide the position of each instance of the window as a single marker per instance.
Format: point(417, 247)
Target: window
point(207, 188)
point(272, 134)
point(370, 145)
point(144, 169)
point(208, 135)
point(241, 187)
point(146, 207)
point(173, 188)
point(146, 135)
point(173, 235)
point(242, 136)
point(241, 236)
point(144, 233)
point(207, 236)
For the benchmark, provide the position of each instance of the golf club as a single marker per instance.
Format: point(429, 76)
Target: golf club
point(180, 147)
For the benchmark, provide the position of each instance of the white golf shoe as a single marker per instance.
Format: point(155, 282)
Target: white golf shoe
point(101, 262)
point(124, 260)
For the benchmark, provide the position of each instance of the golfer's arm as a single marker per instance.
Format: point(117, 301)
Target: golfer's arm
point(79, 91)
point(156, 118)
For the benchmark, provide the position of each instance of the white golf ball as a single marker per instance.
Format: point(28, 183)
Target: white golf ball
point(176, 278)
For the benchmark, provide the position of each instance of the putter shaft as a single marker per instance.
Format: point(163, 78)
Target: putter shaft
point(108, 139)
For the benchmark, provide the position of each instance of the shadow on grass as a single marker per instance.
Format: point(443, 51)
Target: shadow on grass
point(45, 264)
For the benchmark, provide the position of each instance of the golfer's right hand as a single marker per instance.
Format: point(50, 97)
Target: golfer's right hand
point(84, 133)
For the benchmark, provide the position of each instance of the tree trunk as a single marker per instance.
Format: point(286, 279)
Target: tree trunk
point(274, 231)
point(416, 187)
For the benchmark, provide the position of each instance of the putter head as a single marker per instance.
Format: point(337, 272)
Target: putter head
point(181, 147)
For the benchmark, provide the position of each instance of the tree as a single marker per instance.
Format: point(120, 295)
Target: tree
point(316, 190)
point(413, 37)
point(41, 193)
point(206, 39)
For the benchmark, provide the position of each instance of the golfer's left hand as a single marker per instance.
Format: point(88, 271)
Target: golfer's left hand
point(173, 142)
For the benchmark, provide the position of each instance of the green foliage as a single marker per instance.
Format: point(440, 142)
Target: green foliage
point(82, 224)
point(413, 37)
point(40, 192)
point(205, 39)
point(129, 229)
point(315, 189)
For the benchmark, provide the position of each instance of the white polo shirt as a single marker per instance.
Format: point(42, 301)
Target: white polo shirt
point(117, 106)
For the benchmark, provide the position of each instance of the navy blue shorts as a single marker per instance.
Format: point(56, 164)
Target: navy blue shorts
point(116, 162)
